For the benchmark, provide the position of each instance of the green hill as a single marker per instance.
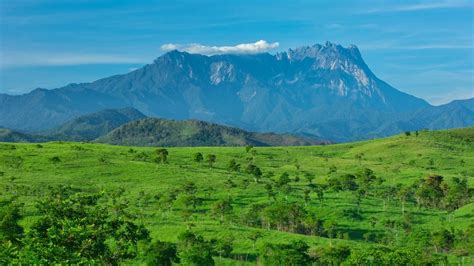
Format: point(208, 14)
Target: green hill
point(91, 126)
point(400, 206)
point(174, 133)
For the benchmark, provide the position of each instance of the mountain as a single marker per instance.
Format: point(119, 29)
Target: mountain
point(162, 132)
point(8, 135)
point(91, 126)
point(43, 109)
point(324, 90)
point(459, 113)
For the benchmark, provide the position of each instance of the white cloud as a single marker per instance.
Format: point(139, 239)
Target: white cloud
point(261, 46)
point(169, 47)
point(426, 5)
point(18, 59)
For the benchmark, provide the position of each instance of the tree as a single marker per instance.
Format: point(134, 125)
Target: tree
point(161, 253)
point(319, 189)
point(162, 155)
point(457, 194)
point(295, 253)
point(366, 178)
point(283, 180)
point(10, 230)
point(309, 177)
point(344, 182)
point(359, 157)
point(189, 195)
point(333, 255)
point(330, 228)
point(404, 194)
point(73, 227)
point(194, 250)
point(223, 246)
point(222, 208)
point(254, 171)
point(233, 166)
point(443, 240)
point(407, 133)
point(254, 237)
point(211, 159)
point(430, 191)
point(306, 196)
point(55, 160)
point(248, 148)
point(270, 192)
point(197, 157)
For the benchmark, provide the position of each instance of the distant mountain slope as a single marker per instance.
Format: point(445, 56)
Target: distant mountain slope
point(161, 132)
point(325, 90)
point(42, 109)
point(459, 113)
point(8, 135)
point(92, 126)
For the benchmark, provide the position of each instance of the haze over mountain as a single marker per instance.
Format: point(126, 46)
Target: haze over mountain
point(325, 90)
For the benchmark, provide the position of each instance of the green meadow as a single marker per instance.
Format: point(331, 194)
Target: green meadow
point(157, 192)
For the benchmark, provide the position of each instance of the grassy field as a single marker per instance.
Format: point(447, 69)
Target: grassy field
point(398, 160)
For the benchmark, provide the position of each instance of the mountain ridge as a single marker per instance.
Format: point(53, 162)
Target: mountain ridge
point(325, 90)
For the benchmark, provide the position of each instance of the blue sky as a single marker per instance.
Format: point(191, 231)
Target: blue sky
point(424, 48)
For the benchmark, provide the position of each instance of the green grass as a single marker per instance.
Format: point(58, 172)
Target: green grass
point(398, 159)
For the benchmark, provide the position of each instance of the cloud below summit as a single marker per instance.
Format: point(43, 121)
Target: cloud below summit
point(261, 46)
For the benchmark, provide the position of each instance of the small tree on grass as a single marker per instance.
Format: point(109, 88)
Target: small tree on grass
point(194, 250)
point(248, 148)
point(55, 160)
point(162, 155)
point(359, 157)
point(211, 159)
point(222, 208)
point(162, 253)
point(319, 189)
point(330, 228)
point(189, 195)
point(233, 166)
point(404, 194)
point(295, 253)
point(223, 246)
point(309, 177)
point(254, 237)
point(254, 171)
point(306, 196)
point(197, 157)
